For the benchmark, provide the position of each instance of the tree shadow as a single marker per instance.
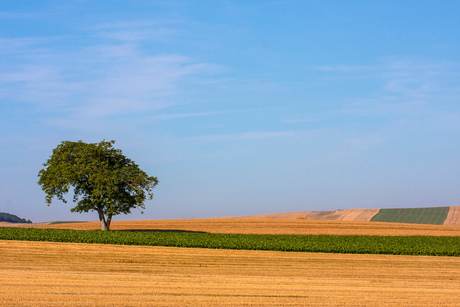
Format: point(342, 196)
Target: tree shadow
point(162, 230)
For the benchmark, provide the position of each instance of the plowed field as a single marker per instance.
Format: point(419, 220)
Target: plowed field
point(453, 217)
point(65, 274)
point(274, 226)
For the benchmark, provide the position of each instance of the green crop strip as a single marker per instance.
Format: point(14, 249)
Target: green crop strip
point(393, 245)
point(434, 216)
point(66, 222)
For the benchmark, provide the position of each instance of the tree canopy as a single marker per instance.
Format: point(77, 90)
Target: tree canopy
point(103, 179)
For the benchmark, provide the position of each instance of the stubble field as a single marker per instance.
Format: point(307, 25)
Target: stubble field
point(67, 274)
point(272, 226)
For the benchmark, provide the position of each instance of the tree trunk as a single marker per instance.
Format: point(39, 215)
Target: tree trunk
point(105, 224)
point(109, 220)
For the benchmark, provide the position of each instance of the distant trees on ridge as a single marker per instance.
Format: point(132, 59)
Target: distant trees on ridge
point(11, 218)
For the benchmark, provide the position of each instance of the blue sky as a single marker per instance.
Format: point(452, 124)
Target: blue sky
point(238, 107)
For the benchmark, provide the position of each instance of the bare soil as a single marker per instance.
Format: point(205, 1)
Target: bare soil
point(364, 215)
point(453, 217)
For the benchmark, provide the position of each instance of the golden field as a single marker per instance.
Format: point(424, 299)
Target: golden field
point(273, 226)
point(67, 274)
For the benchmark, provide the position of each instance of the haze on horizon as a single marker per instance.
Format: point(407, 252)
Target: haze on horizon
point(238, 107)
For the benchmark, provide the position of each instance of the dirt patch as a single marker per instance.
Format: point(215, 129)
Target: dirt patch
point(339, 215)
point(363, 215)
point(287, 215)
point(321, 215)
point(453, 217)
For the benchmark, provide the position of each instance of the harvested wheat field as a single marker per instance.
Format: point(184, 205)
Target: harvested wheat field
point(273, 226)
point(65, 274)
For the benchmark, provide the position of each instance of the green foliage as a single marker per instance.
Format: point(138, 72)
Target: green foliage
point(104, 180)
point(434, 216)
point(393, 245)
point(11, 218)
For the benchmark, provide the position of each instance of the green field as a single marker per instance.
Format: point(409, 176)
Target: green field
point(434, 216)
point(401, 245)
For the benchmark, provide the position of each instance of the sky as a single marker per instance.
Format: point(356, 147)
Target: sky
point(238, 107)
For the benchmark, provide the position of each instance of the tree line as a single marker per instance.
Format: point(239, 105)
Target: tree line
point(11, 218)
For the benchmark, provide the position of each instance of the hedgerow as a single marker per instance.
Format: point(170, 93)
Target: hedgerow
point(393, 245)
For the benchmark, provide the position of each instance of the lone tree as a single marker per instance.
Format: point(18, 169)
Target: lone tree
point(104, 180)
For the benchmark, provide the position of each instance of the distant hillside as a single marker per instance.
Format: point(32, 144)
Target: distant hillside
point(11, 218)
point(433, 215)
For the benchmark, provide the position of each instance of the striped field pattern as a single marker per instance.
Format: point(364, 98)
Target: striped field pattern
point(432, 215)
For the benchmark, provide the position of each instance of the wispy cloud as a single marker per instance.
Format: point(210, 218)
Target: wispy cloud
point(16, 15)
point(405, 85)
point(136, 31)
point(107, 77)
point(167, 116)
point(296, 121)
point(246, 136)
point(13, 45)
point(345, 68)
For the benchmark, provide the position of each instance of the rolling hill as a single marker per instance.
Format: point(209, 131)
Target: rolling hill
point(432, 215)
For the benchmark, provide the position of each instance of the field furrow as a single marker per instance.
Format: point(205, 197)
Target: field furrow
point(66, 274)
